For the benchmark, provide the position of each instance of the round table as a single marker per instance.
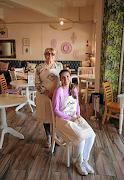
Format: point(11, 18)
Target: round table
point(9, 101)
point(22, 83)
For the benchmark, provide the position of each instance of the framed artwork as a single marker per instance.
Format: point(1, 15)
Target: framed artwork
point(53, 43)
point(4, 33)
point(26, 50)
point(25, 41)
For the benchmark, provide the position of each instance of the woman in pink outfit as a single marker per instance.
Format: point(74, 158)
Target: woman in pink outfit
point(71, 124)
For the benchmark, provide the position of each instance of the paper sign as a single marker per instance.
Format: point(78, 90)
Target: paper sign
point(30, 78)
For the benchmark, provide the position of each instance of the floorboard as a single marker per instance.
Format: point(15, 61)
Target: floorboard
point(28, 159)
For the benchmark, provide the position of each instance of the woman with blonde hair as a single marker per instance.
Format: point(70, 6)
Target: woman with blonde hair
point(46, 81)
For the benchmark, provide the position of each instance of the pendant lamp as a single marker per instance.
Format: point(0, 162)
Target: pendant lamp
point(61, 23)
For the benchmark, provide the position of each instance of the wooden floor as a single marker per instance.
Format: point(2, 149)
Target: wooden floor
point(28, 159)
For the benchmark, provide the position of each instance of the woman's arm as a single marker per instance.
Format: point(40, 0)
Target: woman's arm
point(56, 102)
point(38, 82)
point(78, 107)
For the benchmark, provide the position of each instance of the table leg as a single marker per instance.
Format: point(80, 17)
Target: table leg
point(120, 121)
point(6, 129)
point(86, 91)
point(20, 106)
point(30, 102)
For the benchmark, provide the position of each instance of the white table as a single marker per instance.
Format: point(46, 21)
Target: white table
point(9, 101)
point(121, 97)
point(22, 83)
point(88, 78)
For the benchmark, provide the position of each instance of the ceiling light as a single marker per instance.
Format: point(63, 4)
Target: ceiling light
point(61, 24)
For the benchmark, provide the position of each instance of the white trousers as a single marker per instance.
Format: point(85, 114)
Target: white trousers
point(82, 151)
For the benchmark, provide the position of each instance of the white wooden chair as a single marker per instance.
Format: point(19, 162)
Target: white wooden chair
point(32, 90)
point(32, 93)
point(18, 71)
point(12, 75)
point(88, 71)
point(57, 133)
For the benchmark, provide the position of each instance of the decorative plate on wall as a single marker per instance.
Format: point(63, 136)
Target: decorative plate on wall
point(76, 54)
point(73, 37)
point(53, 43)
point(66, 48)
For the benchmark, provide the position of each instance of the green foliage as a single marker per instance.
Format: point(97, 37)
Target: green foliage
point(111, 45)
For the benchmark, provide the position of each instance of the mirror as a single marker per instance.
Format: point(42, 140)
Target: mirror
point(7, 49)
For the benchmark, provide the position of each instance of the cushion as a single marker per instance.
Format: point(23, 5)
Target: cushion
point(31, 66)
point(12, 91)
point(4, 66)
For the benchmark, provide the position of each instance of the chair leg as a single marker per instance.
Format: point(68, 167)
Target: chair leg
point(105, 112)
point(53, 143)
point(68, 154)
point(109, 115)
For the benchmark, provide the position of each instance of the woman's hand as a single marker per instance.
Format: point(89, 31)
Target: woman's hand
point(73, 119)
point(47, 93)
point(77, 119)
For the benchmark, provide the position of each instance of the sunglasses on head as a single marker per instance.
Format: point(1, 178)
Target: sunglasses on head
point(48, 54)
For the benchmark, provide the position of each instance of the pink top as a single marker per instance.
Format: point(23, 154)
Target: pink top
point(56, 102)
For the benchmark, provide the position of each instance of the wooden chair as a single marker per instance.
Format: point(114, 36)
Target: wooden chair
point(12, 75)
point(86, 71)
point(56, 133)
point(32, 91)
point(4, 88)
point(109, 104)
point(18, 71)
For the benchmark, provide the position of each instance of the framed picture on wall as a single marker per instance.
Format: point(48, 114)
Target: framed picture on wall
point(25, 41)
point(26, 50)
point(4, 33)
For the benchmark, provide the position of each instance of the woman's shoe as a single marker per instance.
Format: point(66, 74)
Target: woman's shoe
point(81, 169)
point(88, 167)
point(48, 142)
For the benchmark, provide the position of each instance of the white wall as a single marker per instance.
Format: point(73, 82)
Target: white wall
point(26, 24)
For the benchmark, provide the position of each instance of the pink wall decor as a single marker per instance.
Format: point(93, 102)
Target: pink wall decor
point(53, 43)
point(87, 44)
point(76, 54)
point(73, 37)
point(66, 48)
point(57, 56)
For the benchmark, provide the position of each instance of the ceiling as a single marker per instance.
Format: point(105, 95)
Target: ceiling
point(49, 8)
point(58, 3)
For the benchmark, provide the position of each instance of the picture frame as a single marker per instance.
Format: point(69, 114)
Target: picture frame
point(25, 41)
point(26, 50)
point(4, 33)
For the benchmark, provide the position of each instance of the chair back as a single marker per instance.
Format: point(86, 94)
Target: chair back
point(86, 70)
point(18, 71)
point(12, 75)
point(3, 84)
point(107, 92)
